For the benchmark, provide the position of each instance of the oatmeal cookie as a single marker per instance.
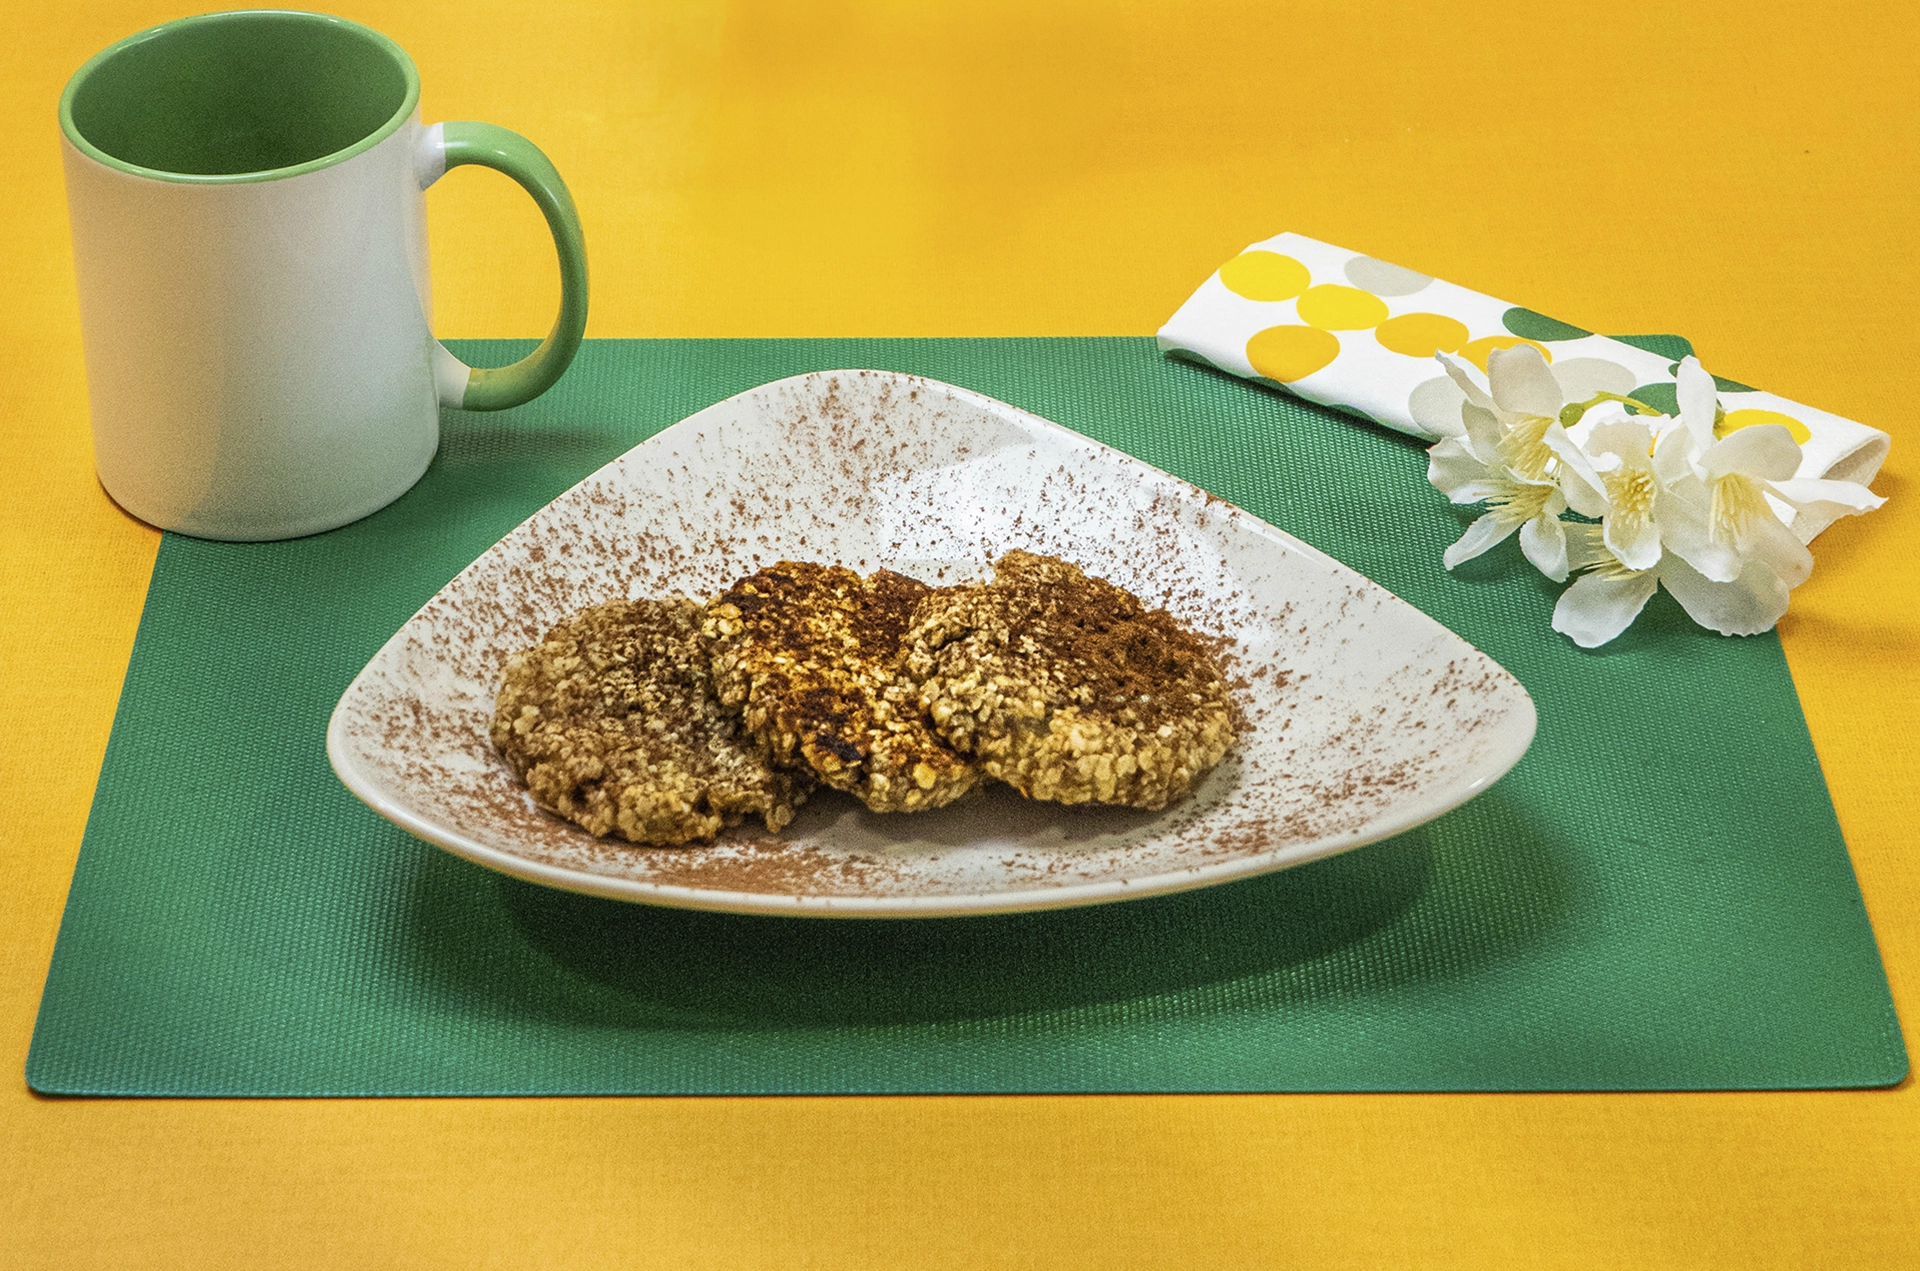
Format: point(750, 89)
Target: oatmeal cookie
point(810, 655)
point(613, 723)
point(1068, 688)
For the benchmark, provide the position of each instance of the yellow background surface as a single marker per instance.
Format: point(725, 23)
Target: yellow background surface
point(1740, 172)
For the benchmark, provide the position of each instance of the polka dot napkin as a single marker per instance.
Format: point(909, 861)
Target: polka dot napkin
point(1359, 335)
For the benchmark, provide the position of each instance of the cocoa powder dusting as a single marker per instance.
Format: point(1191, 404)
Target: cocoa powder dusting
point(871, 470)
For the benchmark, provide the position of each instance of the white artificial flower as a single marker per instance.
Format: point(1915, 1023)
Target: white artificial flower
point(1606, 598)
point(1613, 479)
point(1712, 519)
point(1733, 497)
point(1522, 401)
point(1721, 520)
point(1468, 470)
point(1503, 460)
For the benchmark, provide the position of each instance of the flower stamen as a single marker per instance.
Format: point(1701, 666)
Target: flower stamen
point(1609, 567)
point(1519, 502)
point(1630, 492)
point(1737, 500)
point(1523, 447)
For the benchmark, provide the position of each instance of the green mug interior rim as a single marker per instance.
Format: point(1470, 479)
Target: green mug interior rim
point(372, 139)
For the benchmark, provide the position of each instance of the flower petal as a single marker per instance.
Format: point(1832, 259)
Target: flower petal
point(1767, 451)
point(1772, 544)
point(1475, 394)
point(1457, 473)
point(1544, 540)
point(1630, 439)
point(1819, 502)
point(1694, 389)
point(1522, 384)
point(1599, 607)
point(1673, 456)
point(1686, 511)
point(1851, 496)
point(1484, 431)
point(1751, 604)
point(1482, 534)
point(1586, 499)
point(1579, 483)
point(1634, 543)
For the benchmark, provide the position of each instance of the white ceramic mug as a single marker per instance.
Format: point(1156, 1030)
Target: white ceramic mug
point(249, 234)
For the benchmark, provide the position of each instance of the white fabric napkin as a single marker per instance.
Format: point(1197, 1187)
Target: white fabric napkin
point(1359, 335)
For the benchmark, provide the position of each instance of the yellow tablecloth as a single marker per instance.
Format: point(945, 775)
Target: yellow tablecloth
point(1743, 174)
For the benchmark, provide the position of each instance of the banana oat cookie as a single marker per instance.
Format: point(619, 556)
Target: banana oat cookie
point(1068, 688)
point(810, 655)
point(613, 723)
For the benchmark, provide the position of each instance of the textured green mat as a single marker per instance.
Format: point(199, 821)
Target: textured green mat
point(1656, 897)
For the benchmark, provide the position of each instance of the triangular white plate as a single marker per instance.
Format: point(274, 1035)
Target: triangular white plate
point(1365, 716)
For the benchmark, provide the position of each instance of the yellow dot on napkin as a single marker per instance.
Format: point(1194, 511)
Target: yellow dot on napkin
point(1287, 354)
point(1265, 276)
point(1738, 419)
point(1476, 351)
point(1421, 334)
point(1332, 307)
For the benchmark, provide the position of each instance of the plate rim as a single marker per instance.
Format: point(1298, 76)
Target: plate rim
point(1513, 744)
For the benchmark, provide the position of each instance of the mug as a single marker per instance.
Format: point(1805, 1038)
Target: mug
point(246, 192)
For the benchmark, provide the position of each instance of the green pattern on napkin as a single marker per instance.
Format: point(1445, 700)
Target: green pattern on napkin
point(1656, 897)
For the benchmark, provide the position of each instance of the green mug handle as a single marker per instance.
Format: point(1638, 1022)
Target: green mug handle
point(450, 145)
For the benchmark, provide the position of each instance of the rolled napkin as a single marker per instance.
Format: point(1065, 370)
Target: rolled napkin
point(1359, 335)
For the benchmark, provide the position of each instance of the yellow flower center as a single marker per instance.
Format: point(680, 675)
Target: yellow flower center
point(1630, 494)
point(1524, 447)
point(1517, 503)
point(1737, 500)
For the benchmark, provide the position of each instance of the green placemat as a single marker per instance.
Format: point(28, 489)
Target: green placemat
point(1656, 897)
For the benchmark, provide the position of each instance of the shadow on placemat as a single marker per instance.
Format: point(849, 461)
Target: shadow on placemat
point(622, 964)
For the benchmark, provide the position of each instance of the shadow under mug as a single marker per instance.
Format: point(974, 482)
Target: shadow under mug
point(246, 192)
